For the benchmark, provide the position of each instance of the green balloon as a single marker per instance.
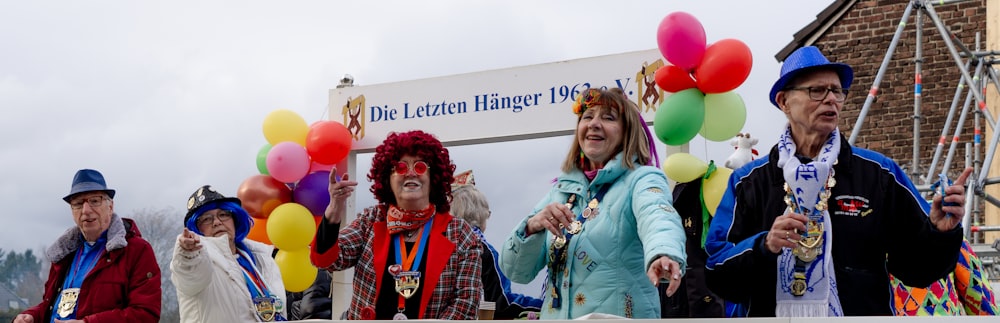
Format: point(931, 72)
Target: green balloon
point(725, 115)
point(262, 159)
point(679, 117)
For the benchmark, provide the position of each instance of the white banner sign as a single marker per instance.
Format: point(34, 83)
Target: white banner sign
point(515, 103)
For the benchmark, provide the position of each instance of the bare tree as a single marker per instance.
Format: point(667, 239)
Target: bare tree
point(160, 227)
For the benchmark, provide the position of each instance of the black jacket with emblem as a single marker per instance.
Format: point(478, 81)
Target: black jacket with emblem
point(880, 225)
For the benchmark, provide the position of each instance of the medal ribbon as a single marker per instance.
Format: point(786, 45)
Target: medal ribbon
point(410, 259)
point(254, 283)
point(558, 261)
point(85, 259)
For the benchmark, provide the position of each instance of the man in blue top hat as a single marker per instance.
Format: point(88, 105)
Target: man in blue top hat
point(815, 227)
point(102, 270)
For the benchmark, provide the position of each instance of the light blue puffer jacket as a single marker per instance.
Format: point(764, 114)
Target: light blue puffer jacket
point(607, 261)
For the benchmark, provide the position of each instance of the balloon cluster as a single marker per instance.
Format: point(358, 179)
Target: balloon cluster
point(684, 167)
point(702, 78)
point(287, 199)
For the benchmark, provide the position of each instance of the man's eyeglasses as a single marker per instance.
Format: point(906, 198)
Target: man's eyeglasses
point(94, 201)
point(208, 218)
point(819, 93)
point(419, 168)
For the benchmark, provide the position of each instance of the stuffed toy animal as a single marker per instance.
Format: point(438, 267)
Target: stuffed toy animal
point(744, 150)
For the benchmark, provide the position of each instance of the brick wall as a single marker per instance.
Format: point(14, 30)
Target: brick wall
point(861, 38)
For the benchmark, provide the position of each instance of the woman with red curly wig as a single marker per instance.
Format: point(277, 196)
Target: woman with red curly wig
point(412, 259)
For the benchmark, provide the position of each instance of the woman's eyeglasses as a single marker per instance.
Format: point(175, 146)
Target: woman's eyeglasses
point(208, 218)
point(419, 168)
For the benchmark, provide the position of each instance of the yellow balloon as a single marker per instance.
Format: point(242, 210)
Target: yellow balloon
point(285, 125)
point(684, 167)
point(297, 272)
point(291, 227)
point(714, 187)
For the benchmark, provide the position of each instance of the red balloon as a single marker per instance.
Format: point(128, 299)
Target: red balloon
point(260, 194)
point(671, 78)
point(328, 142)
point(725, 66)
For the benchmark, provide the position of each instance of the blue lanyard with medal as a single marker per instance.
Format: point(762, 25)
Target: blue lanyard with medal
point(84, 261)
point(406, 270)
point(268, 307)
point(558, 252)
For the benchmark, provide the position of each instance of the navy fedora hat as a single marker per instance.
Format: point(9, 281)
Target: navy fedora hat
point(806, 59)
point(88, 180)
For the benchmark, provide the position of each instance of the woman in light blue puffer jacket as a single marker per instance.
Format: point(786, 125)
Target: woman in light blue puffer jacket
point(606, 232)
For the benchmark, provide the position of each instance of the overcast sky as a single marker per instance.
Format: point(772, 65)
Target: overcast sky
point(163, 97)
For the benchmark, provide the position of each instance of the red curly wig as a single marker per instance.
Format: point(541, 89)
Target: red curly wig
point(423, 146)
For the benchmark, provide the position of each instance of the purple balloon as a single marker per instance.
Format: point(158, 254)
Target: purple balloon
point(681, 40)
point(311, 192)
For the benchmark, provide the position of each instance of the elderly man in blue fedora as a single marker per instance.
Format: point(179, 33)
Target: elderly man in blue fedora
point(815, 227)
point(102, 270)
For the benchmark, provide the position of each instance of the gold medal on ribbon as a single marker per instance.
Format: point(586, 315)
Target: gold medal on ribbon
point(407, 283)
point(575, 227)
point(799, 284)
point(265, 307)
point(67, 302)
point(559, 242)
point(811, 245)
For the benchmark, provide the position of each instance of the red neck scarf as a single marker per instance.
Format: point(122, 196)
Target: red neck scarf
point(399, 220)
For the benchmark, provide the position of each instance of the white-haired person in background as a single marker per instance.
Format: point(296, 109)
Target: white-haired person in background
point(469, 204)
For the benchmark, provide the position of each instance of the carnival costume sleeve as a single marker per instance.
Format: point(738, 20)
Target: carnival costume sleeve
point(191, 271)
point(338, 249)
point(658, 223)
point(918, 253)
point(468, 281)
point(523, 255)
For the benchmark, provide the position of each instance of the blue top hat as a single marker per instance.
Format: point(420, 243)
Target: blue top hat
point(809, 59)
point(88, 180)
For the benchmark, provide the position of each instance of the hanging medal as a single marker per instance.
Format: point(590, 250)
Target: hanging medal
point(406, 271)
point(557, 251)
point(810, 246)
point(268, 307)
point(67, 302)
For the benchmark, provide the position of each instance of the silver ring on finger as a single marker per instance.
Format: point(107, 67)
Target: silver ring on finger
point(788, 234)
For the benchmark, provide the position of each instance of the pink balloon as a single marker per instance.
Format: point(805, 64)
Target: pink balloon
point(681, 39)
point(288, 162)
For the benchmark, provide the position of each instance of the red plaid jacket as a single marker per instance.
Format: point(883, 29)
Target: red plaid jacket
point(453, 266)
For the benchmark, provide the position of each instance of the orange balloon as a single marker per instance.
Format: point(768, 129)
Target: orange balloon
point(258, 232)
point(260, 194)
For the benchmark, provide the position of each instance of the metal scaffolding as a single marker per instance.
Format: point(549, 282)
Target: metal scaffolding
point(973, 85)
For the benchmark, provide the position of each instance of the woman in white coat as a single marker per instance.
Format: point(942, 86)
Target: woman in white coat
point(220, 276)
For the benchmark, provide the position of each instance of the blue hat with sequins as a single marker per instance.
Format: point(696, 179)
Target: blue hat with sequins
point(807, 59)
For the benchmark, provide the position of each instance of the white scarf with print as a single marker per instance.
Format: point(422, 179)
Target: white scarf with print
point(806, 182)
